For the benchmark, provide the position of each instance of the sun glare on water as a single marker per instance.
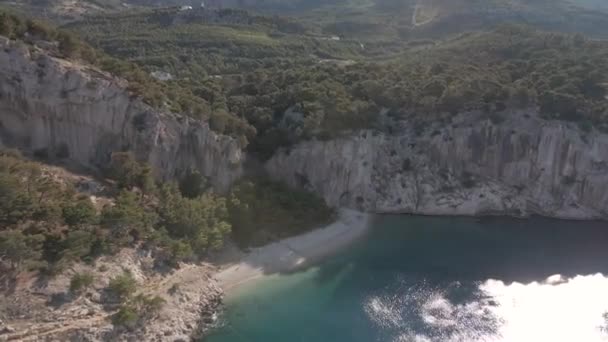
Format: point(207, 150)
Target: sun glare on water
point(554, 310)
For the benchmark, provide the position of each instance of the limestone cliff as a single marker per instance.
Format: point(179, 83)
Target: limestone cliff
point(67, 110)
point(516, 164)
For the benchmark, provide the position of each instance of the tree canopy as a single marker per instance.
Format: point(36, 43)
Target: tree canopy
point(46, 224)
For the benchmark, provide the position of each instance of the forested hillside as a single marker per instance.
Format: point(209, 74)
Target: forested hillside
point(69, 231)
point(47, 223)
point(371, 21)
point(271, 82)
point(289, 85)
point(285, 79)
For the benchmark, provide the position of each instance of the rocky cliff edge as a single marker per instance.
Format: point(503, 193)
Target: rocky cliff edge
point(513, 163)
point(66, 110)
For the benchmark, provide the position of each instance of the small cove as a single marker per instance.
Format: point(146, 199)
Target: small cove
point(437, 279)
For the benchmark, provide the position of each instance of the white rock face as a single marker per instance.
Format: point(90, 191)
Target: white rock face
point(54, 106)
point(471, 166)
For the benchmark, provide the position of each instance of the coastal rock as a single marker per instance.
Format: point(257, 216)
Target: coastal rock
point(64, 110)
point(516, 164)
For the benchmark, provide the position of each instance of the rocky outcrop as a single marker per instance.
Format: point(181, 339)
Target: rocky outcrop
point(190, 293)
point(62, 109)
point(514, 163)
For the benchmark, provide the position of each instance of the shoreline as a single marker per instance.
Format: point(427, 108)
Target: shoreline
point(291, 254)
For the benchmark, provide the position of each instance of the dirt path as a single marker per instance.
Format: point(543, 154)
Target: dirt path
point(36, 331)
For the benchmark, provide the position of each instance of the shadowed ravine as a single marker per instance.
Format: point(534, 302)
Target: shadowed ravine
point(440, 280)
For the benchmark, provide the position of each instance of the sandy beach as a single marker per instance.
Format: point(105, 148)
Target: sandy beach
point(296, 252)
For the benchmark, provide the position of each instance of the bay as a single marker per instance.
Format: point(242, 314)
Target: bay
point(437, 279)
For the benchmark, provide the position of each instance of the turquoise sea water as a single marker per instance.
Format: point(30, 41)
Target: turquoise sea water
point(424, 279)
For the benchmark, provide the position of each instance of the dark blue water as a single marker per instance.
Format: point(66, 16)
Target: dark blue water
point(438, 280)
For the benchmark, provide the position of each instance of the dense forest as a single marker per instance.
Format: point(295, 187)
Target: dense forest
point(293, 86)
point(271, 84)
